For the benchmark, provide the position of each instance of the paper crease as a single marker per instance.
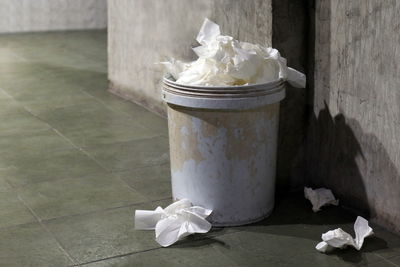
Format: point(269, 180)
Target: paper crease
point(340, 239)
point(176, 221)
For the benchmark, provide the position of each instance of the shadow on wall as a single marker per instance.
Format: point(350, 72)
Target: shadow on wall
point(331, 160)
point(355, 165)
point(289, 28)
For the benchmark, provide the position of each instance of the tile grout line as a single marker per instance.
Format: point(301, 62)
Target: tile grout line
point(139, 168)
point(114, 174)
point(137, 103)
point(101, 102)
point(151, 249)
point(126, 113)
point(58, 133)
point(11, 187)
point(98, 163)
point(37, 117)
point(8, 95)
point(102, 210)
point(77, 214)
point(117, 256)
point(80, 149)
point(108, 107)
point(94, 159)
point(127, 184)
point(59, 245)
point(386, 260)
point(65, 138)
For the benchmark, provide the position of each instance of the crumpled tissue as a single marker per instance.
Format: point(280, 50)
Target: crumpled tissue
point(176, 221)
point(340, 239)
point(224, 61)
point(320, 197)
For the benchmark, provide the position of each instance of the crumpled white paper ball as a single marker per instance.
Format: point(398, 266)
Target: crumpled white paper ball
point(176, 221)
point(320, 197)
point(340, 239)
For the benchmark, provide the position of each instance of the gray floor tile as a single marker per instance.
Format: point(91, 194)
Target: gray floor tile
point(102, 234)
point(30, 245)
point(4, 185)
point(39, 103)
point(198, 254)
point(132, 154)
point(92, 123)
point(154, 182)
point(395, 260)
point(12, 124)
point(390, 243)
point(19, 146)
point(3, 95)
point(152, 121)
point(49, 166)
point(73, 196)
point(12, 210)
point(9, 106)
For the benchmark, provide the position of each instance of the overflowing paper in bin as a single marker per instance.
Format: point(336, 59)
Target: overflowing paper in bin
point(224, 61)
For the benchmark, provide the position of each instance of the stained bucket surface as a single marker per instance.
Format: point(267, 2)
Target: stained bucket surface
point(223, 143)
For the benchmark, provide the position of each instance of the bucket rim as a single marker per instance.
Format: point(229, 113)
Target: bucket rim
point(167, 79)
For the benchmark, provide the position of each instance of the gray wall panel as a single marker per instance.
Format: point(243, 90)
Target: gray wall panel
point(50, 15)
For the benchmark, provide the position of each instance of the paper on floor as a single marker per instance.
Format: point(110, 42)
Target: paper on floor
point(340, 239)
point(225, 61)
point(320, 197)
point(176, 221)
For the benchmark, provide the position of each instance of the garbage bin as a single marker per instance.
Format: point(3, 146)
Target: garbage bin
point(223, 143)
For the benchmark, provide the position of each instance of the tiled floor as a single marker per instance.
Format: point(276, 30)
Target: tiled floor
point(76, 162)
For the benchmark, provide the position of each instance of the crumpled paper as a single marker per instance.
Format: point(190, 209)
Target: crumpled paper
point(340, 239)
point(320, 197)
point(224, 61)
point(176, 221)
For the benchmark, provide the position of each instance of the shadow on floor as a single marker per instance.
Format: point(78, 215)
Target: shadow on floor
point(372, 244)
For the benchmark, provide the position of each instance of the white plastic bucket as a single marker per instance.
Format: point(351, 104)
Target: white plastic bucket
point(223, 143)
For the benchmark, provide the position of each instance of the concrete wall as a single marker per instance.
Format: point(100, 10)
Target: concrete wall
point(143, 32)
point(353, 143)
point(50, 15)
